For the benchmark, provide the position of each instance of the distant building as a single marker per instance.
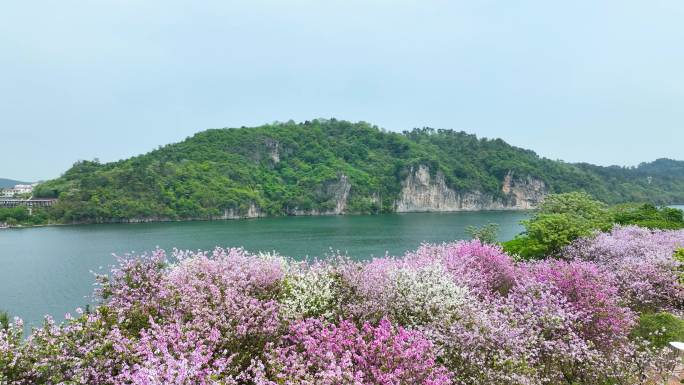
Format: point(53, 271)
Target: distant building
point(23, 188)
point(17, 190)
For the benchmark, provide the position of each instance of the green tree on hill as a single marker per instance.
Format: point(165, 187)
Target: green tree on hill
point(286, 168)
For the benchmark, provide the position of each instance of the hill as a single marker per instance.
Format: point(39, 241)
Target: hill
point(334, 167)
point(5, 183)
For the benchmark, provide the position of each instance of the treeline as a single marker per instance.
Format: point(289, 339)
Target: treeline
point(563, 218)
point(14, 216)
point(284, 168)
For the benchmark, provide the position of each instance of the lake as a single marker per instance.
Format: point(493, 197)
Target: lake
point(47, 270)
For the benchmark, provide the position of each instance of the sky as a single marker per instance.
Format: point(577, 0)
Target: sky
point(593, 81)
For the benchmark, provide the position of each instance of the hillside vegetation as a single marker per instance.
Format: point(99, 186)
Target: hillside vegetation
point(299, 168)
point(562, 218)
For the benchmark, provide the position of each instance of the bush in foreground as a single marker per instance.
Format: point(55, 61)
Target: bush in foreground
point(563, 218)
point(660, 328)
point(461, 313)
point(644, 262)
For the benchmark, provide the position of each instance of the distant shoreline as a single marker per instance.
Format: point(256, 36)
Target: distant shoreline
point(168, 220)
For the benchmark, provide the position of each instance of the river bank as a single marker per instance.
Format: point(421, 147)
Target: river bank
point(5, 226)
point(234, 218)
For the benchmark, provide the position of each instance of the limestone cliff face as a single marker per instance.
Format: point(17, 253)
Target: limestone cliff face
point(526, 193)
point(252, 212)
point(273, 150)
point(422, 192)
point(340, 193)
point(336, 192)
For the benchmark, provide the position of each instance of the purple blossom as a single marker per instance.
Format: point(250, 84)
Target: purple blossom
point(483, 268)
point(590, 292)
point(317, 353)
point(461, 313)
point(642, 262)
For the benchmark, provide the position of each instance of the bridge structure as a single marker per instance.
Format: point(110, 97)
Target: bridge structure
point(30, 203)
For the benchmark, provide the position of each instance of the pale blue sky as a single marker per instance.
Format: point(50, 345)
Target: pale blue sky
point(596, 81)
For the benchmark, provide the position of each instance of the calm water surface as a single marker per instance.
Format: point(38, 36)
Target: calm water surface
point(47, 270)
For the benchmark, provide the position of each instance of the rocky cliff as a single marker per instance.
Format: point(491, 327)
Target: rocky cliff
point(252, 212)
point(523, 193)
point(327, 167)
point(336, 195)
point(424, 192)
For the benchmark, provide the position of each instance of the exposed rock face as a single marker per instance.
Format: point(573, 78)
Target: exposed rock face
point(340, 193)
point(422, 192)
point(252, 212)
point(337, 193)
point(268, 149)
point(525, 192)
point(274, 152)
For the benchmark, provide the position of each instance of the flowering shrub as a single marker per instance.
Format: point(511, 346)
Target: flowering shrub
point(591, 293)
point(12, 363)
point(534, 335)
point(78, 351)
point(483, 268)
point(547, 333)
point(315, 353)
point(462, 313)
point(403, 292)
point(310, 291)
point(642, 261)
point(173, 353)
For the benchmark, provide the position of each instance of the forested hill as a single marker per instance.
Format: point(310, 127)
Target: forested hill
point(333, 166)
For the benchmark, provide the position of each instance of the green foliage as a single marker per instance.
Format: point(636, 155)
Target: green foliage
point(679, 257)
point(579, 204)
point(4, 320)
point(659, 328)
point(555, 231)
point(288, 168)
point(560, 219)
point(648, 215)
point(486, 233)
point(521, 248)
point(21, 216)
